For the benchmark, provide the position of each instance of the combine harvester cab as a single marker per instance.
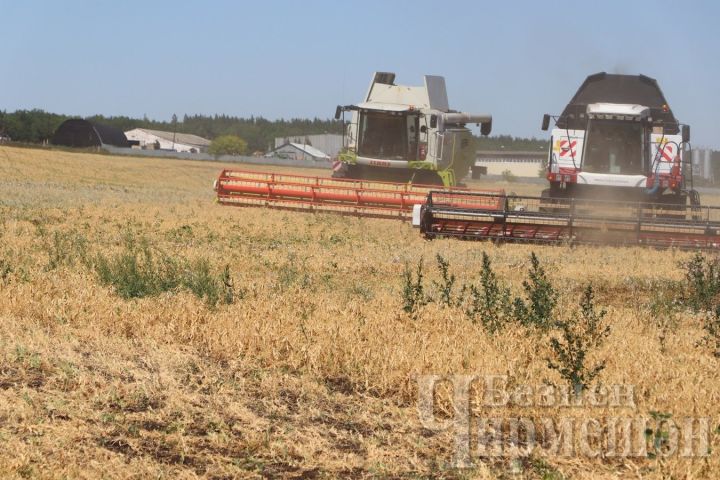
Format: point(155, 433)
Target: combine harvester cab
point(617, 176)
point(407, 134)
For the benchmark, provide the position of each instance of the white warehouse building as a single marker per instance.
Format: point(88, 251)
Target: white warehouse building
point(518, 163)
point(298, 151)
point(147, 139)
point(328, 143)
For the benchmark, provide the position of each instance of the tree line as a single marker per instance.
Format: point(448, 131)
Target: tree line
point(38, 126)
point(508, 142)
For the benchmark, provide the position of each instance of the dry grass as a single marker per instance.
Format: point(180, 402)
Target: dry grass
point(309, 374)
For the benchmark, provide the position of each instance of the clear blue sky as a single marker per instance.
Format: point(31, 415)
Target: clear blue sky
point(515, 60)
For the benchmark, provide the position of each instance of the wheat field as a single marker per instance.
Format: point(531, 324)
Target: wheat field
point(310, 369)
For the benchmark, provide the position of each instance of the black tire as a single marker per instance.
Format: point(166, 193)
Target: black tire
point(379, 174)
point(553, 200)
point(671, 206)
point(426, 177)
point(341, 172)
point(347, 171)
point(694, 197)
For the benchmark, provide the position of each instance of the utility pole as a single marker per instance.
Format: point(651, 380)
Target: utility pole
point(174, 120)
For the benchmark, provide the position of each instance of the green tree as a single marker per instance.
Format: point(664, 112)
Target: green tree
point(228, 145)
point(509, 176)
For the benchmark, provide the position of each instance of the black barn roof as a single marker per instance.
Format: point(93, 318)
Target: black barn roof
point(81, 133)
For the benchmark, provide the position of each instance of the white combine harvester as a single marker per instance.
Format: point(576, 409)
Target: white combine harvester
point(407, 134)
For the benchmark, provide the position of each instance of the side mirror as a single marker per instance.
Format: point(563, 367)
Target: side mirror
point(486, 128)
point(433, 121)
point(545, 122)
point(338, 112)
point(686, 133)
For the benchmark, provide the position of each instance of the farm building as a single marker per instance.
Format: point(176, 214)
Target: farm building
point(518, 163)
point(81, 133)
point(147, 139)
point(705, 164)
point(328, 143)
point(298, 151)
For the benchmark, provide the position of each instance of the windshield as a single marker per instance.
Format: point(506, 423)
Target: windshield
point(613, 146)
point(389, 136)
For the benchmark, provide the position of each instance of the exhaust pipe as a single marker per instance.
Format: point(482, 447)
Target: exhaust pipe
point(460, 118)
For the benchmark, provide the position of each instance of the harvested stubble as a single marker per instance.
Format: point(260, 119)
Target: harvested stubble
point(310, 372)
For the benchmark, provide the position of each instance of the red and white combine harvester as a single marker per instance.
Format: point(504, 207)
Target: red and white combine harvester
point(617, 176)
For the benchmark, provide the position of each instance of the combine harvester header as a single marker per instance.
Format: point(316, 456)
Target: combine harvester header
point(478, 215)
point(575, 221)
point(321, 194)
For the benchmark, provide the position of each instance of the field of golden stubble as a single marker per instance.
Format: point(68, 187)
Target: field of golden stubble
point(311, 371)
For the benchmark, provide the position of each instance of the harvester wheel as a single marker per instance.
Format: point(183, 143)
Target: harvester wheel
point(672, 206)
point(347, 171)
point(694, 197)
point(426, 177)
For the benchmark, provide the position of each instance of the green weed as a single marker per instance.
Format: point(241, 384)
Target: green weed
point(578, 337)
point(537, 309)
